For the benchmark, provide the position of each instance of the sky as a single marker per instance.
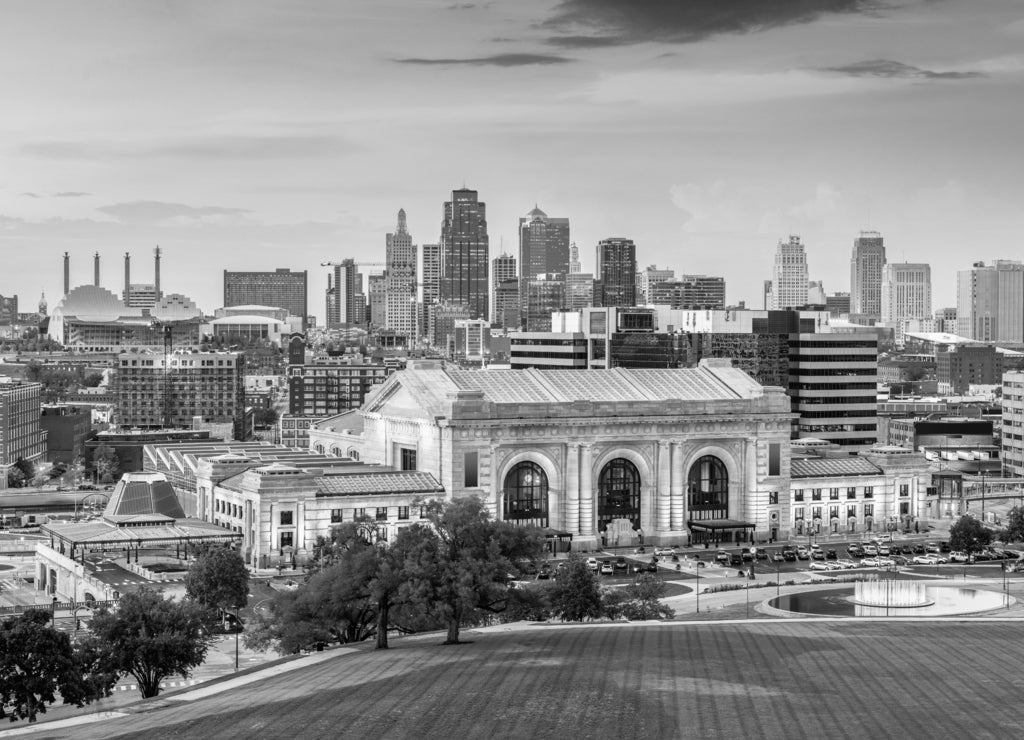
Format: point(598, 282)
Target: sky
point(244, 134)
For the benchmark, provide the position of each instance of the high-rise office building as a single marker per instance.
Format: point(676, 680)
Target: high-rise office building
point(400, 285)
point(346, 302)
point(689, 291)
point(543, 244)
point(503, 268)
point(906, 292)
point(544, 294)
point(430, 282)
point(20, 435)
point(506, 304)
point(574, 259)
point(647, 277)
point(866, 266)
point(579, 290)
point(789, 275)
point(616, 271)
point(990, 302)
point(465, 253)
point(377, 291)
point(279, 289)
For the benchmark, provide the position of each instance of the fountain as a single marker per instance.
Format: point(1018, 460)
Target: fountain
point(891, 594)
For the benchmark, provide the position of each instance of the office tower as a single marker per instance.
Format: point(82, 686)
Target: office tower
point(441, 318)
point(574, 259)
point(647, 277)
point(1013, 424)
point(990, 302)
point(906, 292)
point(789, 275)
point(346, 304)
point(866, 267)
point(430, 282)
point(465, 253)
point(400, 287)
point(170, 391)
point(545, 293)
point(506, 304)
point(689, 292)
point(543, 244)
point(330, 385)
point(377, 288)
point(616, 271)
point(833, 381)
point(279, 289)
point(838, 304)
point(503, 268)
point(20, 434)
point(579, 290)
point(945, 320)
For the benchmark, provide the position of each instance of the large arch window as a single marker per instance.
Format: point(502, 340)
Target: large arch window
point(526, 495)
point(708, 489)
point(618, 493)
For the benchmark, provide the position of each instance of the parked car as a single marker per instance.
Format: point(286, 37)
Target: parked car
point(818, 554)
point(831, 554)
point(620, 563)
point(884, 550)
point(544, 574)
point(762, 554)
point(653, 567)
point(606, 568)
point(746, 556)
point(943, 547)
point(854, 550)
point(869, 562)
point(819, 565)
point(593, 565)
point(802, 553)
point(735, 559)
point(933, 547)
point(924, 560)
point(919, 549)
point(958, 557)
point(666, 551)
point(846, 564)
point(722, 557)
point(907, 550)
point(778, 557)
point(789, 556)
point(870, 549)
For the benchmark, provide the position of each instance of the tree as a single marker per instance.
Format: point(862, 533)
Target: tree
point(15, 478)
point(576, 595)
point(1014, 531)
point(968, 535)
point(37, 662)
point(105, 461)
point(92, 380)
point(218, 579)
point(151, 637)
point(645, 595)
point(265, 417)
point(468, 572)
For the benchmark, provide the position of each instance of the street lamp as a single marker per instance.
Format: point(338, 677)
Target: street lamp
point(698, 562)
point(753, 561)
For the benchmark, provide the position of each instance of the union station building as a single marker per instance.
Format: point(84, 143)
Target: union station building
point(596, 457)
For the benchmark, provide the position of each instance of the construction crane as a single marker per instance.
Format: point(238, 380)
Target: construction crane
point(354, 262)
point(166, 328)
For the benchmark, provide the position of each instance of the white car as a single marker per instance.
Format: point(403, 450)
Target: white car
point(592, 564)
point(958, 557)
point(924, 560)
point(869, 562)
point(843, 564)
point(870, 549)
point(667, 551)
point(820, 565)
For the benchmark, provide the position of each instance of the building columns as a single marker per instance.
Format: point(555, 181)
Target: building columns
point(572, 489)
point(495, 485)
point(663, 507)
point(586, 490)
point(678, 487)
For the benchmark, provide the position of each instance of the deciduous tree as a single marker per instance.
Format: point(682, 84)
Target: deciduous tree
point(1014, 531)
point(218, 579)
point(37, 662)
point(105, 462)
point(151, 637)
point(969, 535)
point(575, 595)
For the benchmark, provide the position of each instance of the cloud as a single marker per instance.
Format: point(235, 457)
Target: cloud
point(71, 194)
point(613, 22)
point(890, 69)
point(198, 147)
point(497, 60)
point(153, 212)
point(32, 195)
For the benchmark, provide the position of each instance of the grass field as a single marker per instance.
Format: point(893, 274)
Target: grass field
point(774, 680)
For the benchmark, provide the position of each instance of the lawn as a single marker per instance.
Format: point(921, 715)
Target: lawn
point(774, 680)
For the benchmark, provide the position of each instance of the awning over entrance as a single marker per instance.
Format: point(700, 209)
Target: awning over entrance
point(717, 525)
point(556, 534)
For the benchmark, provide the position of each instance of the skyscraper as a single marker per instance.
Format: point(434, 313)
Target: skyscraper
point(346, 302)
point(465, 253)
point(906, 292)
point(574, 259)
point(503, 268)
point(789, 275)
point(990, 302)
point(866, 267)
point(400, 282)
point(543, 244)
point(649, 276)
point(616, 271)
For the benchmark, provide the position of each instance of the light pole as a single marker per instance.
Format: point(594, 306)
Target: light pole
point(753, 562)
point(238, 627)
point(699, 561)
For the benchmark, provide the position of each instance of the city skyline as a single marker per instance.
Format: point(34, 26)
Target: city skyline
point(258, 147)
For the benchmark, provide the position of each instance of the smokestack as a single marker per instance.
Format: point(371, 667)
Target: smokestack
point(67, 274)
point(127, 278)
point(96, 270)
point(156, 273)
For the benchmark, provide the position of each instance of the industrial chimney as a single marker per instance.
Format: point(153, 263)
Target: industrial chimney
point(96, 270)
point(127, 279)
point(67, 274)
point(156, 273)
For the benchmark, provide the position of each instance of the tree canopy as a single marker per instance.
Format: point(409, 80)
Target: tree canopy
point(969, 535)
point(37, 662)
point(1014, 531)
point(575, 595)
point(151, 637)
point(219, 579)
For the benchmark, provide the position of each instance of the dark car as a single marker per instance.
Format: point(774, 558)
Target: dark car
point(652, 567)
point(789, 556)
point(735, 559)
point(762, 554)
point(620, 563)
point(919, 549)
point(907, 550)
point(855, 551)
point(831, 555)
point(943, 547)
point(746, 556)
point(778, 557)
point(544, 574)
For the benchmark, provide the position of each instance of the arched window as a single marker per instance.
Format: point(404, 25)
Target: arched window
point(319, 448)
point(526, 495)
point(618, 493)
point(352, 453)
point(708, 489)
